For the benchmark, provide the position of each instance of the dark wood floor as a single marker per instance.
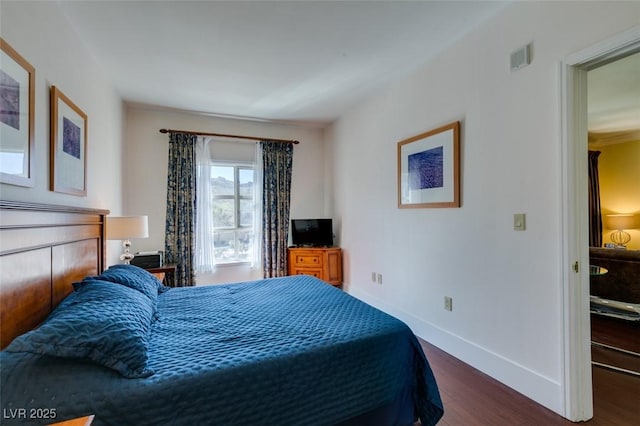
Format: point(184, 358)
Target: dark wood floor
point(616, 332)
point(472, 398)
point(609, 333)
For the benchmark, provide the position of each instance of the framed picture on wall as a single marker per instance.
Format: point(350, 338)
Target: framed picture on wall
point(429, 168)
point(68, 146)
point(17, 98)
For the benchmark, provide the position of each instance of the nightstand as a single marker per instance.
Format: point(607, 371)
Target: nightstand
point(165, 273)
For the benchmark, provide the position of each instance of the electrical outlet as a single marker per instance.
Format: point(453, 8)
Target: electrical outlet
point(373, 277)
point(448, 303)
point(380, 279)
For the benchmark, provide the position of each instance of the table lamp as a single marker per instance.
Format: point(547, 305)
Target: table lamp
point(620, 222)
point(126, 228)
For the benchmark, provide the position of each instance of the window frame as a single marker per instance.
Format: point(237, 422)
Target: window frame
point(236, 197)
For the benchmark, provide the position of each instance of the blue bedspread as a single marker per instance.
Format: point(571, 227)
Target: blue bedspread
point(284, 351)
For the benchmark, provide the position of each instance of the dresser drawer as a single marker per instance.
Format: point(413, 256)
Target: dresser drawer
point(309, 271)
point(307, 259)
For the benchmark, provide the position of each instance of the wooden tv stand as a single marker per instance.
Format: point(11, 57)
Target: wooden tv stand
point(321, 262)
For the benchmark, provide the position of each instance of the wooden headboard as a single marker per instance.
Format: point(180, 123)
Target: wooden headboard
point(43, 250)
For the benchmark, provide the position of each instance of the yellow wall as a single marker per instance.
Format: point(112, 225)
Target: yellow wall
point(619, 170)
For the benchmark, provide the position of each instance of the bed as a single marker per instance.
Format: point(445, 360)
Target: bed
point(283, 351)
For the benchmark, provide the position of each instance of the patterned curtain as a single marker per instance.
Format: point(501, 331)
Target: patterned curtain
point(277, 160)
point(179, 243)
point(595, 215)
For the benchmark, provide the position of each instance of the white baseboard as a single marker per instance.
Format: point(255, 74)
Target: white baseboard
point(543, 390)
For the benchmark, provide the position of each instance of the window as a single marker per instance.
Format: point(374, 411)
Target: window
point(232, 210)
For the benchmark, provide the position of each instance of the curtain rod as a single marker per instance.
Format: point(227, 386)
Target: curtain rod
point(254, 138)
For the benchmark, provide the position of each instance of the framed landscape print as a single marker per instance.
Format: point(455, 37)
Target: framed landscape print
point(68, 146)
point(429, 168)
point(17, 98)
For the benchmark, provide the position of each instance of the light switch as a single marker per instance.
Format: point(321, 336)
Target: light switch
point(519, 222)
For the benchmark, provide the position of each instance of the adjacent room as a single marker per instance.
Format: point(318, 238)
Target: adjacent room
point(320, 212)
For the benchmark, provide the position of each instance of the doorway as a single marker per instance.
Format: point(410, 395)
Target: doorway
point(578, 401)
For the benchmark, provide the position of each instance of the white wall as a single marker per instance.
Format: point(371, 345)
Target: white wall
point(42, 35)
point(146, 169)
point(506, 285)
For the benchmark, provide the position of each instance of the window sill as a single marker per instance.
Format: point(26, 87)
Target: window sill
point(232, 264)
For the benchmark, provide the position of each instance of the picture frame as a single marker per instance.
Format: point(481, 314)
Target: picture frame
point(17, 116)
point(429, 169)
point(68, 146)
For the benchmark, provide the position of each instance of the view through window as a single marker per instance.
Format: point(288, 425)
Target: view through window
point(232, 201)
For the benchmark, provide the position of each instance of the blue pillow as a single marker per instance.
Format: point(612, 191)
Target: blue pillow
point(125, 273)
point(132, 277)
point(106, 323)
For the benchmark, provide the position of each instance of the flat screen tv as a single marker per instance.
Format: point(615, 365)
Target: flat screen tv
point(312, 232)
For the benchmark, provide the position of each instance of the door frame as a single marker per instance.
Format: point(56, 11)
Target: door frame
point(577, 380)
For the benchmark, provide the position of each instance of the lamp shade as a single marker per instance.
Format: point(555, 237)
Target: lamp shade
point(127, 227)
point(621, 221)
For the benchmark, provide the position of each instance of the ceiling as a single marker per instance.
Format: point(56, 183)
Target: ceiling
point(298, 61)
point(294, 61)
